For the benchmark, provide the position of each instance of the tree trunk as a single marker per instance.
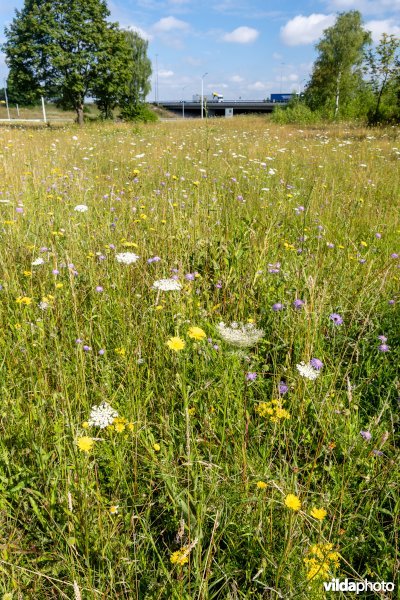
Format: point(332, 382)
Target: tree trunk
point(79, 114)
point(337, 95)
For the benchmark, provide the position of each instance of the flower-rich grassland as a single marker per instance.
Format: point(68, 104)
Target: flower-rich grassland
point(199, 360)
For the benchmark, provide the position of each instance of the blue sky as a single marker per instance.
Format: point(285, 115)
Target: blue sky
point(248, 48)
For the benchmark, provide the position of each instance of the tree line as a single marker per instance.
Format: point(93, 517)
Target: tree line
point(351, 77)
point(68, 51)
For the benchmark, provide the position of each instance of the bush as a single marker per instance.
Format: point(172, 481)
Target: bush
point(138, 112)
point(295, 113)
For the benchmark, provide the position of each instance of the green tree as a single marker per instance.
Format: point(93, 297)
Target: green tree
point(383, 70)
point(137, 87)
point(337, 73)
point(65, 50)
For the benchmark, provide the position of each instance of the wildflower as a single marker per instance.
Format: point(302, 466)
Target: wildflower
point(119, 424)
point(156, 447)
point(321, 560)
point(153, 259)
point(114, 509)
point(378, 235)
point(86, 348)
point(85, 444)
point(251, 376)
point(277, 306)
point(196, 333)
point(261, 485)
point(120, 351)
point(293, 502)
point(126, 258)
point(283, 388)
point(242, 336)
point(307, 371)
point(176, 344)
point(167, 285)
point(81, 208)
point(318, 513)
point(99, 289)
point(298, 303)
point(101, 351)
point(383, 348)
point(102, 415)
point(366, 435)
point(336, 318)
point(382, 338)
point(377, 452)
point(272, 410)
point(316, 363)
point(181, 557)
point(37, 262)
point(24, 300)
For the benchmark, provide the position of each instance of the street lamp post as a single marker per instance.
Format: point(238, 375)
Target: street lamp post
point(202, 94)
point(183, 102)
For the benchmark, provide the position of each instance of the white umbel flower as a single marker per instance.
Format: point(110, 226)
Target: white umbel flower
point(242, 336)
point(102, 416)
point(37, 262)
point(126, 258)
point(307, 371)
point(167, 285)
point(81, 208)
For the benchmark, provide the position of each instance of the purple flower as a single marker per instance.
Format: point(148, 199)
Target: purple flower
point(336, 318)
point(377, 452)
point(383, 348)
point(277, 307)
point(298, 303)
point(216, 347)
point(330, 245)
point(251, 376)
point(153, 259)
point(190, 276)
point(366, 435)
point(99, 288)
point(316, 364)
point(391, 302)
point(86, 348)
point(218, 285)
point(101, 351)
point(394, 255)
point(283, 388)
point(44, 249)
point(55, 272)
point(19, 209)
point(378, 235)
point(274, 267)
point(362, 261)
point(111, 246)
point(78, 341)
point(382, 338)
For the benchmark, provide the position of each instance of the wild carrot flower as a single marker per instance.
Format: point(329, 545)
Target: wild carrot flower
point(242, 336)
point(167, 285)
point(293, 502)
point(102, 415)
point(307, 371)
point(127, 258)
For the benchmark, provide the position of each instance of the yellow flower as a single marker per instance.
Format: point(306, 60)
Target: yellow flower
point(114, 509)
point(159, 307)
point(120, 351)
point(176, 344)
point(85, 444)
point(156, 447)
point(119, 424)
point(293, 502)
point(59, 285)
point(318, 513)
point(180, 557)
point(261, 485)
point(28, 273)
point(24, 300)
point(85, 425)
point(196, 333)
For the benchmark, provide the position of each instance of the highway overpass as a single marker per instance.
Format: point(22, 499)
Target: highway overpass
point(219, 109)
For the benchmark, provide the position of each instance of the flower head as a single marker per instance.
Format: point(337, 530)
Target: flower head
point(261, 485)
point(307, 371)
point(85, 443)
point(316, 363)
point(81, 208)
point(127, 258)
point(196, 333)
point(366, 435)
point(318, 513)
point(293, 502)
point(242, 336)
point(176, 344)
point(167, 285)
point(102, 415)
point(336, 318)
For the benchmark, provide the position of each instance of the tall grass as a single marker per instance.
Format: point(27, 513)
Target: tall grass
point(194, 472)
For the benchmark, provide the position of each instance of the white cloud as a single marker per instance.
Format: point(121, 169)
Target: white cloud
point(236, 79)
point(258, 85)
point(277, 56)
point(241, 35)
point(165, 73)
point(377, 28)
point(167, 24)
point(143, 34)
point(292, 77)
point(305, 30)
point(366, 6)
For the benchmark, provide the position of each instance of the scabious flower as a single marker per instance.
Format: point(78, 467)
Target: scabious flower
point(196, 333)
point(298, 303)
point(293, 502)
point(366, 435)
point(239, 335)
point(383, 348)
point(316, 363)
point(167, 285)
point(283, 388)
point(336, 318)
point(85, 443)
point(102, 415)
point(307, 371)
point(277, 306)
point(127, 258)
point(318, 513)
point(81, 208)
point(251, 376)
point(176, 344)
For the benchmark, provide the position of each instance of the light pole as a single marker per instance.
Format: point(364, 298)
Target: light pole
point(6, 98)
point(202, 94)
point(156, 90)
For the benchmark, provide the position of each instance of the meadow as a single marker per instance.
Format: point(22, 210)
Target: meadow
point(199, 360)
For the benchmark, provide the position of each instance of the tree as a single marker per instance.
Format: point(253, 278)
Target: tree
point(65, 50)
point(383, 69)
point(337, 71)
point(134, 93)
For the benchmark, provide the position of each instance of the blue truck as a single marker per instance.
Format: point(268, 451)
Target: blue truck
point(281, 97)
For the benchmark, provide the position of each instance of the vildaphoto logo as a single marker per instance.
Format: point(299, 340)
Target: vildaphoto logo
point(348, 585)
